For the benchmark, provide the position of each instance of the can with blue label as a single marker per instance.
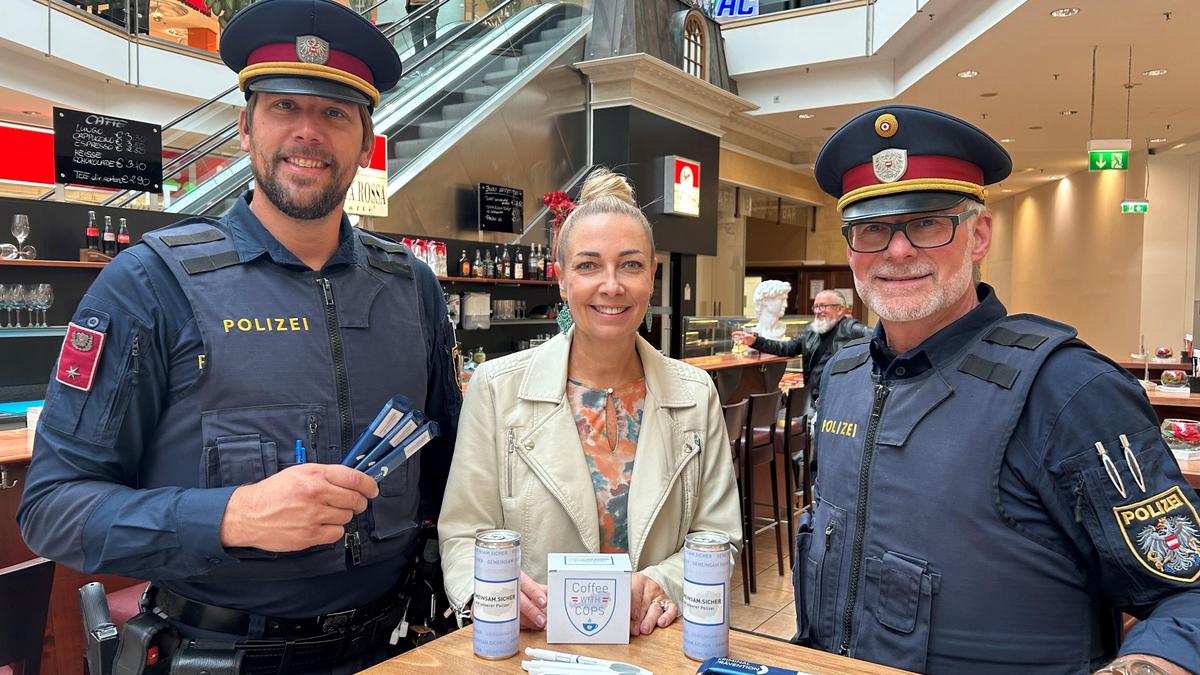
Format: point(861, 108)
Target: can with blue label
point(706, 569)
point(495, 611)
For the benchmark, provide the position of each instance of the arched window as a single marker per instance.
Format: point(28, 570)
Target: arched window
point(693, 46)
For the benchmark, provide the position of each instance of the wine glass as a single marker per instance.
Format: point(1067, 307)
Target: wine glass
point(45, 298)
point(20, 230)
point(8, 251)
point(17, 299)
point(5, 304)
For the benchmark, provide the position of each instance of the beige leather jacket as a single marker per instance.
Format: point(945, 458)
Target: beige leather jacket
point(519, 465)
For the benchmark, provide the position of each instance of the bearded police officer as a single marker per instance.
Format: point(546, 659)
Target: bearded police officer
point(991, 489)
point(199, 358)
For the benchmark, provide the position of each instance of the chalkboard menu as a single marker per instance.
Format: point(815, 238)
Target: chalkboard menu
point(105, 151)
point(501, 209)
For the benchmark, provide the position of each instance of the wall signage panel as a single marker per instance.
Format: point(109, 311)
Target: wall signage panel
point(104, 151)
point(501, 208)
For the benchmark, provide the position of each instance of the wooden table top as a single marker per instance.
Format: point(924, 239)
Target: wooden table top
point(1155, 365)
point(1177, 401)
point(13, 448)
point(724, 361)
point(661, 652)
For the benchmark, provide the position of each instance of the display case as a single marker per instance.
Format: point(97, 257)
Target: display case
point(708, 335)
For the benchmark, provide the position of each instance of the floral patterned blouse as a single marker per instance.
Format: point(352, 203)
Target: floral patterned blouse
point(609, 421)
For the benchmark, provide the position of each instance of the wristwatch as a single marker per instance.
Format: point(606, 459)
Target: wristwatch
point(1131, 666)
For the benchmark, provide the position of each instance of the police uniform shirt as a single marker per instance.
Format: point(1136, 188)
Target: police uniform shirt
point(81, 504)
point(1052, 489)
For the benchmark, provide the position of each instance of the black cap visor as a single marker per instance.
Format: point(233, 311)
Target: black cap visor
point(902, 203)
point(307, 86)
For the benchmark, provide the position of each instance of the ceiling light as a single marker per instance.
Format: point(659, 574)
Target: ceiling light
point(1155, 72)
point(988, 94)
point(1064, 12)
point(1006, 189)
point(805, 116)
point(1158, 140)
point(966, 74)
point(1068, 113)
point(1055, 177)
point(1178, 146)
point(1007, 140)
point(1034, 128)
point(34, 113)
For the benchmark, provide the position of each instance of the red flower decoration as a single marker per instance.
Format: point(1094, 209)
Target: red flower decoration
point(559, 204)
point(1185, 432)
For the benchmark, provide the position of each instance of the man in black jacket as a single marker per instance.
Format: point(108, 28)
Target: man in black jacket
point(832, 328)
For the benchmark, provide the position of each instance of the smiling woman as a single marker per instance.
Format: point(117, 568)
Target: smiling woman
point(549, 436)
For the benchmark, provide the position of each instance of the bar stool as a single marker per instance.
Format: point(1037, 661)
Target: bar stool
point(758, 449)
point(735, 426)
point(793, 444)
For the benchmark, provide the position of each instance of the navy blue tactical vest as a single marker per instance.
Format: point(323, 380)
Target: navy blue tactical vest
point(289, 355)
point(907, 559)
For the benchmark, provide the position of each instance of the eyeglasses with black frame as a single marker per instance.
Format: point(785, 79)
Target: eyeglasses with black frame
point(929, 231)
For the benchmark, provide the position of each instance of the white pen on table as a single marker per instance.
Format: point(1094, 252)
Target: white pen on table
point(551, 656)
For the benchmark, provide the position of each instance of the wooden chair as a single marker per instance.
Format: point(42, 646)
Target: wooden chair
point(24, 603)
point(735, 426)
point(792, 443)
point(758, 449)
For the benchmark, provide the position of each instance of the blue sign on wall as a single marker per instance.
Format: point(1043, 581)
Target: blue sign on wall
point(728, 10)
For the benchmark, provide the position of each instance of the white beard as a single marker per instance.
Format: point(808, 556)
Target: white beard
point(904, 309)
point(823, 326)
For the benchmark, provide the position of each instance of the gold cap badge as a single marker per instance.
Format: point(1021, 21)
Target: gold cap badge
point(886, 125)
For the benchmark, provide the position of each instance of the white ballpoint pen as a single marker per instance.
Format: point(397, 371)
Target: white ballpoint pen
point(609, 666)
point(564, 668)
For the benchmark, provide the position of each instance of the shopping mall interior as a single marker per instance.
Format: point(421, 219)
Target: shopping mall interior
point(503, 103)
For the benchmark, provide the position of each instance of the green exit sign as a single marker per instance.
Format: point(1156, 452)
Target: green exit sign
point(1108, 160)
point(1135, 207)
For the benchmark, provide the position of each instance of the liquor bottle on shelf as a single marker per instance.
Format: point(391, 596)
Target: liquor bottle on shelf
point(464, 265)
point(477, 268)
point(506, 265)
point(548, 269)
point(541, 263)
point(92, 232)
point(489, 266)
point(122, 236)
point(519, 265)
point(108, 238)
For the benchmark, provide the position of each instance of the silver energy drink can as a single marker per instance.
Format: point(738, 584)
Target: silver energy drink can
point(706, 569)
point(497, 587)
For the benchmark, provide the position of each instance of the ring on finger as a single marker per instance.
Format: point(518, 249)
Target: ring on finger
point(664, 604)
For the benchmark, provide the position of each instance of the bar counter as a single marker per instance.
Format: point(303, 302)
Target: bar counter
point(739, 376)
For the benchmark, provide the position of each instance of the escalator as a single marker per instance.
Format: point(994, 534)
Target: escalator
point(448, 86)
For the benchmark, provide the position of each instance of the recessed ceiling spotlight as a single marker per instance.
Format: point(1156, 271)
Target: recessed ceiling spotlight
point(1006, 189)
point(967, 74)
point(1178, 146)
point(1068, 113)
point(1007, 140)
point(1064, 12)
point(1155, 72)
point(1034, 128)
point(1055, 177)
point(1158, 140)
point(1027, 169)
point(32, 113)
point(988, 94)
point(805, 116)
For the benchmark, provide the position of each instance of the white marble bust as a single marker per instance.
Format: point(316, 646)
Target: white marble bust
point(770, 301)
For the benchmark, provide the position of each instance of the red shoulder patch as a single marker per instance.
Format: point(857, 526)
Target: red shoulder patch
point(79, 357)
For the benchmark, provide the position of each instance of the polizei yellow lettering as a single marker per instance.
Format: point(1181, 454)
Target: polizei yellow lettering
point(265, 324)
point(839, 428)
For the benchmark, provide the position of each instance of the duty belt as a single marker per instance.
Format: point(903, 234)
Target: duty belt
point(285, 644)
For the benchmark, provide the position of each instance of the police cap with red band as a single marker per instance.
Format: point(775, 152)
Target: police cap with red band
point(309, 47)
point(906, 159)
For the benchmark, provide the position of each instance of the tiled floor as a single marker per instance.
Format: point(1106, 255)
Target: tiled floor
point(772, 610)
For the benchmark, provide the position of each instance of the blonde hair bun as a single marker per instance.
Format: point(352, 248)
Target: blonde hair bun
point(603, 183)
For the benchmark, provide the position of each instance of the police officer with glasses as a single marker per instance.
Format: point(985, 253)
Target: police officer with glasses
point(214, 376)
point(993, 492)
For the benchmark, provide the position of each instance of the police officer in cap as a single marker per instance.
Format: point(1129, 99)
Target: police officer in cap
point(992, 491)
point(199, 358)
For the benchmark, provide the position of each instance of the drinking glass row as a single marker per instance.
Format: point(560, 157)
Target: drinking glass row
point(29, 297)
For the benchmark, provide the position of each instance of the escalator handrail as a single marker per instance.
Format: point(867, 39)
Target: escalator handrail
point(405, 22)
point(434, 51)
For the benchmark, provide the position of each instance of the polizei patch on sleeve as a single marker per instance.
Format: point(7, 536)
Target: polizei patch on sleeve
point(1162, 534)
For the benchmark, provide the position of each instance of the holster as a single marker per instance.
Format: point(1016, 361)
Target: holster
point(190, 660)
point(146, 646)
